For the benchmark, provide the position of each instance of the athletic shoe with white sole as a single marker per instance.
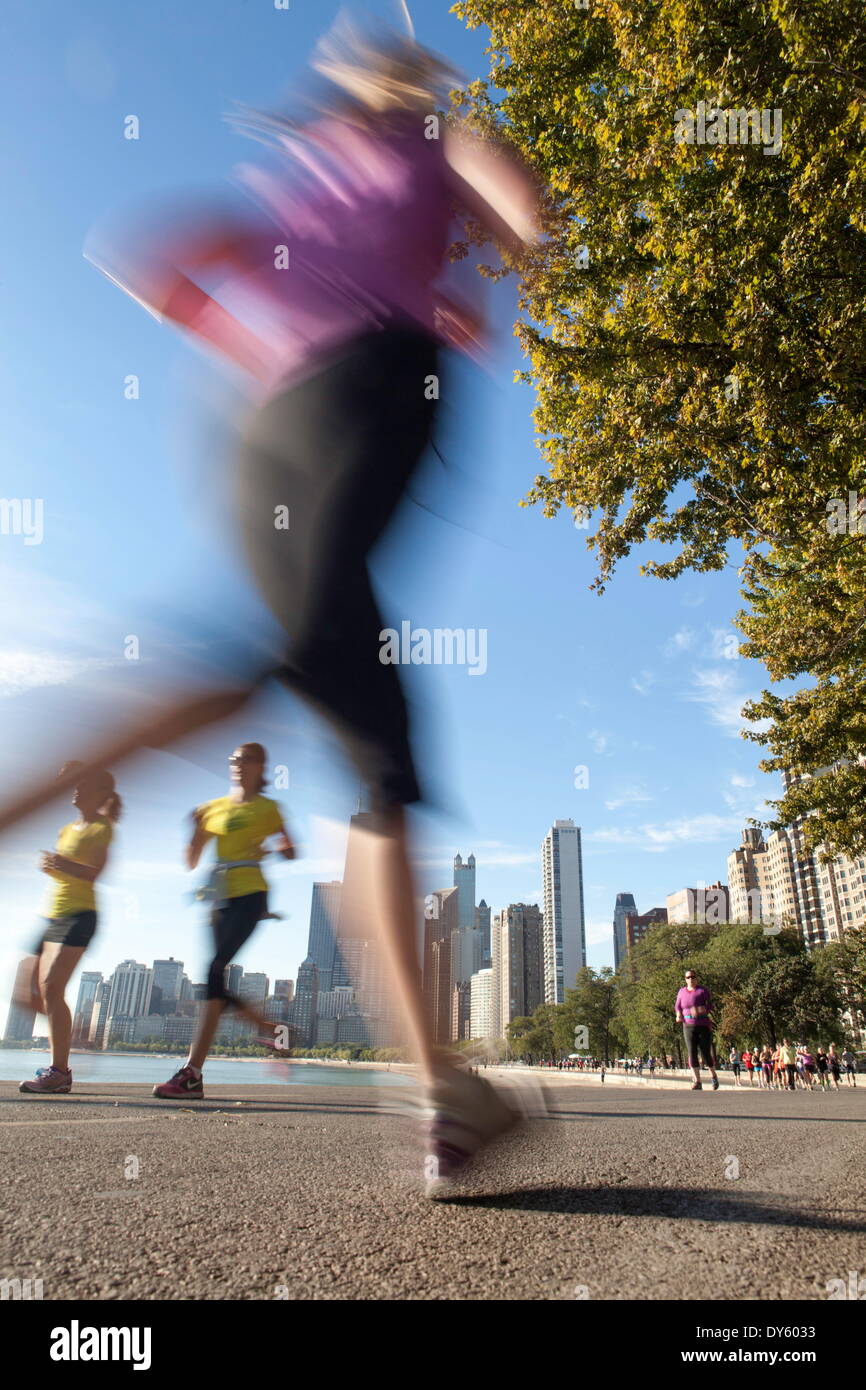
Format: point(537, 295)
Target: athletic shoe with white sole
point(50, 1081)
point(463, 1115)
point(184, 1085)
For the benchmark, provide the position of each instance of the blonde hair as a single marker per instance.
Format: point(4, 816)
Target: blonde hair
point(381, 69)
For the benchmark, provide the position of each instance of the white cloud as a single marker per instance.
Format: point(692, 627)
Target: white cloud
point(681, 641)
point(656, 837)
point(599, 933)
point(644, 682)
point(719, 690)
point(599, 740)
point(28, 670)
point(739, 781)
point(629, 796)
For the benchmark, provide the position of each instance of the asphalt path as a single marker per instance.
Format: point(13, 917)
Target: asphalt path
point(275, 1192)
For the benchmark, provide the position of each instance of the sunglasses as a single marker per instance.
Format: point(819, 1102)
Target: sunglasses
point(242, 758)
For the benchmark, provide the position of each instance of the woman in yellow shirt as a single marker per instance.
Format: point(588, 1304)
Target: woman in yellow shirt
point(240, 823)
point(75, 865)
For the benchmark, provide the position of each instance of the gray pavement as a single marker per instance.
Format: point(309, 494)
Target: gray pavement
point(264, 1192)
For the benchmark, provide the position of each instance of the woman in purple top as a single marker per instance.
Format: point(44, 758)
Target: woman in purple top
point(336, 316)
point(693, 1012)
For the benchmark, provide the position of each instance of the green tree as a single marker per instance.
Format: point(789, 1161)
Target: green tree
point(589, 1004)
point(695, 324)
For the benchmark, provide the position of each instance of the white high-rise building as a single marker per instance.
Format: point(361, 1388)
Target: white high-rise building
point(481, 1005)
point(564, 923)
point(131, 986)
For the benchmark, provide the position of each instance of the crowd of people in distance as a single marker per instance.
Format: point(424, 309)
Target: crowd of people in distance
point(790, 1066)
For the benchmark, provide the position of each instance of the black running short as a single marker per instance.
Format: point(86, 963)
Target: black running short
point(75, 929)
point(232, 923)
point(334, 454)
point(699, 1038)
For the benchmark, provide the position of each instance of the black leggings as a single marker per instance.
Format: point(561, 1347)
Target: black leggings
point(697, 1039)
point(232, 924)
point(338, 451)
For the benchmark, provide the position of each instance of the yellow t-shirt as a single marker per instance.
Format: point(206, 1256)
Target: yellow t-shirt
point(85, 845)
point(240, 827)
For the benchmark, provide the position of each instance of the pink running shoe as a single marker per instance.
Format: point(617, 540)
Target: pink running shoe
point(184, 1085)
point(464, 1114)
point(50, 1081)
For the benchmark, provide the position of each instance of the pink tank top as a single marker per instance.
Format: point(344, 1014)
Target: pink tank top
point(356, 232)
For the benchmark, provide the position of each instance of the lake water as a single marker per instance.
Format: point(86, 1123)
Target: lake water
point(20, 1065)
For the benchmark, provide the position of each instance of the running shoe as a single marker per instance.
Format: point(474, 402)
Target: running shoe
point(464, 1114)
point(697, 1086)
point(715, 1083)
point(49, 1081)
point(184, 1085)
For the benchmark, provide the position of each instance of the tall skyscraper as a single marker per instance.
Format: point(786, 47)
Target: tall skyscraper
point(324, 921)
point(254, 988)
point(232, 976)
point(83, 1014)
point(461, 1002)
point(131, 986)
point(440, 926)
point(306, 999)
point(464, 882)
point(100, 1015)
point(482, 924)
point(19, 1022)
point(749, 879)
point(284, 989)
point(167, 978)
point(779, 881)
point(481, 1005)
point(517, 978)
point(625, 904)
point(564, 923)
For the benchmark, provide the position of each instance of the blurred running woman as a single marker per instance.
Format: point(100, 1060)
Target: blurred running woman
point(362, 198)
point(75, 865)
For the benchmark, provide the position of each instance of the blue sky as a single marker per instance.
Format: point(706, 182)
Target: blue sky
point(635, 686)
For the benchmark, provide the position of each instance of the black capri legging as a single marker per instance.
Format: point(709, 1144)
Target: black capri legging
point(232, 924)
point(336, 453)
point(699, 1039)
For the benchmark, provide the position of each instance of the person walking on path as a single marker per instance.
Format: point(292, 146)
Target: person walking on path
point(821, 1064)
point(692, 1010)
point(834, 1064)
point(850, 1066)
point(734, 1059)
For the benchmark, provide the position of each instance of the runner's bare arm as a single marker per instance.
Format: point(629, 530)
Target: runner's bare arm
point(58, 864)
point(495, 187)
point(199, 839)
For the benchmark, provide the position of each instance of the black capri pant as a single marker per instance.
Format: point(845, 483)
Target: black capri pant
point(232, 923)
point(699, 1039)
point(336, 453)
